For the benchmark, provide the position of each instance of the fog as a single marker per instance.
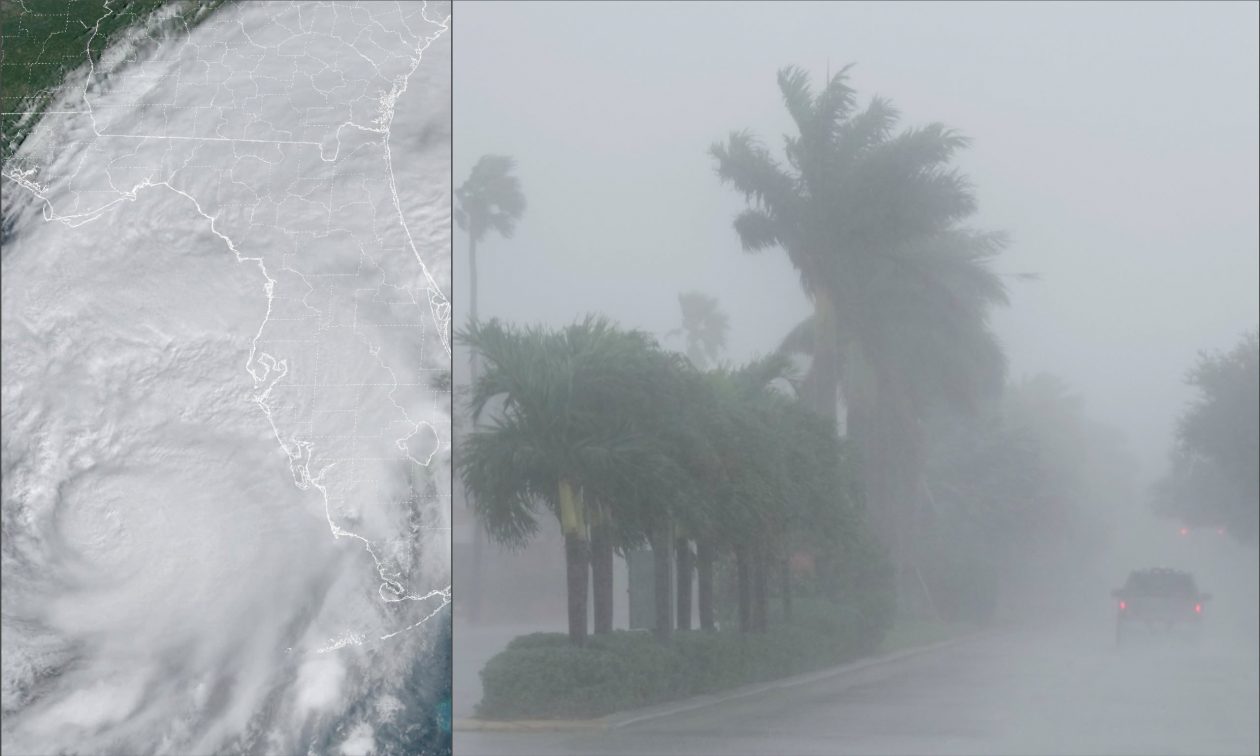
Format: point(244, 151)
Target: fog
point(1115, 144)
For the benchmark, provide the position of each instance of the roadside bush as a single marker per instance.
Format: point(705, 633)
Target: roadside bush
point(543, 676)
point(862, 585)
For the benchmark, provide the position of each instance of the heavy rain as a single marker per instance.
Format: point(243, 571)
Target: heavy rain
point(855, 378)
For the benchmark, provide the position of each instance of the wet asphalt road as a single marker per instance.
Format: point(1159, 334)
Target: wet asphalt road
point(1031, 691)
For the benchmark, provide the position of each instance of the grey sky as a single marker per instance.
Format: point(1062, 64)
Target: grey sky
point(1116, 143)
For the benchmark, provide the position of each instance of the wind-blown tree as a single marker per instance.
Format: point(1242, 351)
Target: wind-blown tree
point(552, 441)
point(489, 200)
point(752, 437)
point(818, 505)
point(660, 495)
point(681, 500)
point(625, 443)
point(704, 328)
point(901, 292)
point(1215, 477)
point(717, 516)
point(1023, 496)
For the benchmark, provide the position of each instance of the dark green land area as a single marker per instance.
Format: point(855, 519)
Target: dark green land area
point(41, 41)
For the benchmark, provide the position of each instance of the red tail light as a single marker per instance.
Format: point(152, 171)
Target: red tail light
point(1198, 608)
point(1123, 606)
point(1184, 531)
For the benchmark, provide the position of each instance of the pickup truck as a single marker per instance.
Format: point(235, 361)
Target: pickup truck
point(1159, 600)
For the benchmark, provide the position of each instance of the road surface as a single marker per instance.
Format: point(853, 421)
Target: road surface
point(1035, 691)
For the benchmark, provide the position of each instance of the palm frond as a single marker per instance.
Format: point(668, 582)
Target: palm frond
point(747, 165)
point(799, 340)
point(797, 96)
point(491, 198)
point(832, 107)
point(757, 230)
point(867, 129)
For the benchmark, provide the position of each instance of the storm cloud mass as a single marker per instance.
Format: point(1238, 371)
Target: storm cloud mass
point(226, 423)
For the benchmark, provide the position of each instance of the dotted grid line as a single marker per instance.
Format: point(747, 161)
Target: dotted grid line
point(273, 370)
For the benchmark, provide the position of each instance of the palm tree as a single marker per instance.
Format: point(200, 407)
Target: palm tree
point(924, 341)
point(704, 327)
point(665, 501)
point(901, 292)
point(624, 443)
point(489, 200)
point(741, 490)
point(564, 436)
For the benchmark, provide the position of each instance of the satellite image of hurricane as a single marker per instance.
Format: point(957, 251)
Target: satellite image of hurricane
point(226, 378)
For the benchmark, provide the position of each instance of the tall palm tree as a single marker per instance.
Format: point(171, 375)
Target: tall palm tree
point(489, 200)
point(870, 219)
point(852, 190)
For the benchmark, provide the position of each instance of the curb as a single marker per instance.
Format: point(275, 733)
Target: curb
point(636, 716)
point(532, 725)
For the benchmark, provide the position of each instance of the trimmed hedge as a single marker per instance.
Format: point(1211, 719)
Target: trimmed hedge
point(543, 676)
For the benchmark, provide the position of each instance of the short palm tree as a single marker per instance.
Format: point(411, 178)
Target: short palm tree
point(562, 436)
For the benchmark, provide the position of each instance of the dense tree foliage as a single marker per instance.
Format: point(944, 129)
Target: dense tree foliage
point(1214, 480)
point(1019, 496)
point(870, 217)
point(625, 443)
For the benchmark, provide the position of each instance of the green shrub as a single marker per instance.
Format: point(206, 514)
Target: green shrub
point(539, 640)
point(543, 676)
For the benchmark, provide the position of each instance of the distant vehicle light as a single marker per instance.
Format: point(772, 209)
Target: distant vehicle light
point(1123, 606)
point(1198, 608)
point(1184, 531)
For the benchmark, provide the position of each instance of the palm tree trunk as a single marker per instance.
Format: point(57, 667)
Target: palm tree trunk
point(577, 558)
point(577, 564)
point(685, 567)
point(760, 586)
point(745, 588)
point(743, 573)
point(887, 500)
point(826, 360)
point(663, 582)
point(602, 575)
point(787, 587)
point(868, 427)
point(704, 580)
point(473, 595)
point(472, 283)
